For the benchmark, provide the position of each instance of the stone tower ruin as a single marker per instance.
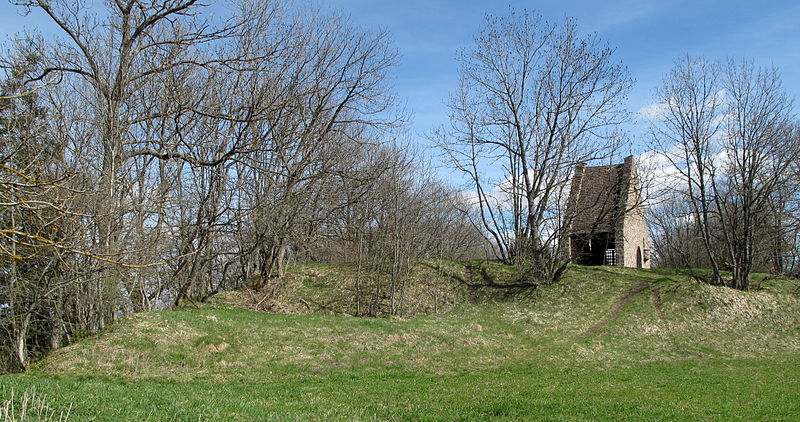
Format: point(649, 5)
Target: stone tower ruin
point(606, 218)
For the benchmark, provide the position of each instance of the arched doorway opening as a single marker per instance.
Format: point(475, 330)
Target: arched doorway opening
point(638, 257)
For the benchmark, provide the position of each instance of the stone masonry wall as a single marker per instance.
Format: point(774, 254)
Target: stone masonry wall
point(631, 231)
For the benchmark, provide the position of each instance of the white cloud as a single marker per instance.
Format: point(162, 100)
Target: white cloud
point(651, 112)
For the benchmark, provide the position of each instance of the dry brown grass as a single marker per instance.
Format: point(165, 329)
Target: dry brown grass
point(223, 340)
point(29, 406)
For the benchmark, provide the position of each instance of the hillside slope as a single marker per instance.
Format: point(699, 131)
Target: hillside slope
point(604, 344)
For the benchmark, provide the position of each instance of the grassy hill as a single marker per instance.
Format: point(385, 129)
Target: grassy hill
point(604, 344)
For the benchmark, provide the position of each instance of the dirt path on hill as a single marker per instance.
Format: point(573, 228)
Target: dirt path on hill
point(617, 308)
point(655, 296)
point(473, 296)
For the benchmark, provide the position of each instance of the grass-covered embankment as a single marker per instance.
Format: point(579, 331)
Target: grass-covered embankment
point(604, 344)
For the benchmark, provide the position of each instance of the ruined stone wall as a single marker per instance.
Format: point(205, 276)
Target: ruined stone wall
point(635, 236)
point(606, 199)
point(594, 198)
point(632, 231)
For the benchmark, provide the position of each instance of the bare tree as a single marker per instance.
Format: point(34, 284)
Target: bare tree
point(184, 131)
point(110, 65)
point(534, 99)
point(726, 132)
point(176, 154)
point(318, 106)
point(36, 229)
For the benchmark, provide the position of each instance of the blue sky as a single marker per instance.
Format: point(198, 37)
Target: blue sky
point(647, 36)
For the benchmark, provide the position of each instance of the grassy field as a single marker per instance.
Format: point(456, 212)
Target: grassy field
point(604, 344)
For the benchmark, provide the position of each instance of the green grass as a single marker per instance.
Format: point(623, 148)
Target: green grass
point(676, 350)
point(682, 390)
